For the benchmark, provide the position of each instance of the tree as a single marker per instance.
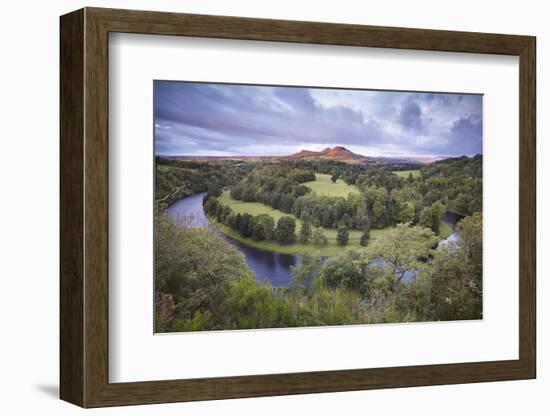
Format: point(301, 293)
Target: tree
point(194, 267)
point(252, 305)
point(460, 204)
point(471, 233)
point(237, 222)
point(437, 212)
point(230, 220)
point(211, 206)
point(345, 220)
point(454, 286)
point(362, 222)
point(426, 218)
point(214, 189)
point(225, 212)
point(310, 269)
point(287, 203)
point(258, 232)
point(348, 271)
point(327, 218)
point(319, 238)
point(403, 248)
point(454, 276)
point(342, 235)
point(406, 213)
point(245, 225)
point(236, 191)
point(285, 230)
point(365, 237)
point(267, 224)
point(305, 232)
point(378, 213)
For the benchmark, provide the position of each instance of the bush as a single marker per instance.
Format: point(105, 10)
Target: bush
point(319, 238)
point(342, 235)
point(285, 230)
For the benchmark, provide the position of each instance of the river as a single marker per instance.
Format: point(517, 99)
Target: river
point(266, 265)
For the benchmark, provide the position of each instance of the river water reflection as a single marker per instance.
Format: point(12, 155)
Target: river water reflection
point(266, 265)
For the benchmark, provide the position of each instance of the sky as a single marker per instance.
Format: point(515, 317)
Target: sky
point(207, 119)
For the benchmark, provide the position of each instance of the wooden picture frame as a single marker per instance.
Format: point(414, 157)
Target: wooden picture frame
point(84, 207)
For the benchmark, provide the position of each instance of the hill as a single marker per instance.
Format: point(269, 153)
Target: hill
point(338, 153)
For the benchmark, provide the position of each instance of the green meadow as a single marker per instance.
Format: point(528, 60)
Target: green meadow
point(323, 186)
point(405, 173)
point(254, 208)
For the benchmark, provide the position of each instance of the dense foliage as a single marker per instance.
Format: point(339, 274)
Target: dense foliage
point(203, 283)
point(175, 178)
point(456, 182)
point(385, 199)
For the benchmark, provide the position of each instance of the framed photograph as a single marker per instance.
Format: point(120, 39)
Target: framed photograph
point(257, 207)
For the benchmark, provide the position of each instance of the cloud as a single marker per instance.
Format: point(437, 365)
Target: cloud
point(200, 118)
point(466, 134)
point(411, 118)
point(298, 99)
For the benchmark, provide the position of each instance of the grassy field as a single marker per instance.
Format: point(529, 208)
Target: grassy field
point(405, 173)
point(255, 208)
point(330, 250)
point(324, 186)
point(165, 168)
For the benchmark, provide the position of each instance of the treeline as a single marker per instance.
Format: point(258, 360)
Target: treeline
point(450, 185)
point(262, 227)
point(457, 182)
point(276, 186)
point(282, 188)
point(385, 199)
point(348, 172)
point(203, 283)
point(176, 178)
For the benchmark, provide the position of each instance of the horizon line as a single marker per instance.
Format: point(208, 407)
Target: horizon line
point(283, 156)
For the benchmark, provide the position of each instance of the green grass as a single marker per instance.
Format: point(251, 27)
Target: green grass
point(330, 250)
point(322, 185)
point(167, 168)
point(405, 173)
point(256, 208)
point(252, 208)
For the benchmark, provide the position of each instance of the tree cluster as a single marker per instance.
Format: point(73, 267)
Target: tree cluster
point(258, 227)
point(385, 199)
point(175, 178)
point(203, 283)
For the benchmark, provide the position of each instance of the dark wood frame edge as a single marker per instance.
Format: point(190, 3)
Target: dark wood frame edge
point(84, 207)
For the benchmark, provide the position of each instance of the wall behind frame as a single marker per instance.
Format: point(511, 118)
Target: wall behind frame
point(29, 211)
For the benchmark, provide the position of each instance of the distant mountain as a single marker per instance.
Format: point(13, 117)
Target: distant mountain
point(303, 154)
point(338, 153)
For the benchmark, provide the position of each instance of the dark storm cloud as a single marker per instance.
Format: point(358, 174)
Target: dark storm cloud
point(199, 118)
point(411, 116)
point(466, 132)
